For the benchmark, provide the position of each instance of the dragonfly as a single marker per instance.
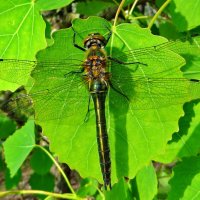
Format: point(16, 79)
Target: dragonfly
point(93, 79)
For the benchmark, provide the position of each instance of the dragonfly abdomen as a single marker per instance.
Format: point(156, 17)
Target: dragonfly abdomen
point(99, 91)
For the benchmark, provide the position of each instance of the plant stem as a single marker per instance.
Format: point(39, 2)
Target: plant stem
point(123, 12)
point(118, 11)
point(58, 166)
point(62, 196)
point(140, 17)
point(158, 13)
point(132, 8)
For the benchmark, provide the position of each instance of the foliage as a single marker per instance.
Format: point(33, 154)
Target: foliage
point(152, 126)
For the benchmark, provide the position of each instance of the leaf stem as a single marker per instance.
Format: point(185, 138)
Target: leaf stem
point(158, 13)
point(58, 166)
point(62, 196)
point(118, 11)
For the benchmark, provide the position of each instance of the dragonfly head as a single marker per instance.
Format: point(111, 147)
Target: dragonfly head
point(94, 39)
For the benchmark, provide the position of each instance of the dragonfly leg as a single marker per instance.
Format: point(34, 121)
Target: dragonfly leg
point(74, 72)
point(88, 111)
point(125, 63)
point(194, 80)
point(116, 90)
point(109, 35)
point(74, 42)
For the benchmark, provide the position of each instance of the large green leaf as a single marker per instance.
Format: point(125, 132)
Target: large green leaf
point(185, 15)
point(22, 29)
point(22, 35)
point(138, 130)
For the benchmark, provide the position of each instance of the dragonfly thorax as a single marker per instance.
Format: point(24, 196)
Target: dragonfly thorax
point(95, 40)
point(95, 66)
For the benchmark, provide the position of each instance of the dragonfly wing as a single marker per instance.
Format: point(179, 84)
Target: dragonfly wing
point(61, 101)
point(59, 90)
point(16, 71)
point(155, 93)
point(155, 59)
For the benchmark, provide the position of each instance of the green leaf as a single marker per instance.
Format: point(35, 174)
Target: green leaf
point(2, 164)
point(192, 191)
point(169, 30)
point(50, 5)
point(22, 29)
point(11, 182)
point(7, 127)
point(18, 146)
point(22, 34)
point(137, 132)
point(44, 164)
point(97, 6)
point(186, 141)
point(191, 55)
point(185, 180)
point(88, 187)
point(185, 15)
point(147, 176)
point(119, 191)
point(42, 182)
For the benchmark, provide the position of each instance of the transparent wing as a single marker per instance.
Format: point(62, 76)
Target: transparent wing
point(15, 70)
point(155, 59)
point(59, 90)
point(52, 98)
point(153, 93)
point(150, 78)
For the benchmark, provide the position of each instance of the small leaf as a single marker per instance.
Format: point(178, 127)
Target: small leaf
point(147, 176)
point(44, 5)
point(88, 187)
point(42, 182)
point(192, 191)
point(185, 15)
point(7, 127)
point(40, 162)
point(97, 7)
point(186, 141)
point(186, 177)
point(119, 191)
point(18, 146)
point(11, 182)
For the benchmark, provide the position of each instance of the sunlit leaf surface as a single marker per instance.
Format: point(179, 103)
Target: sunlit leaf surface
point(18, 146)
point(22, 32)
